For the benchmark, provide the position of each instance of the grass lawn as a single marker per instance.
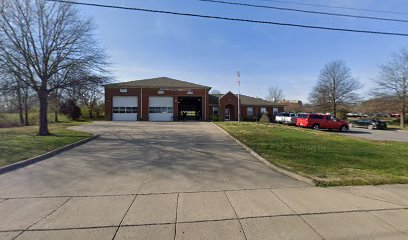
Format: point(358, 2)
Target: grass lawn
point(327, 158)
point(12, 119)
point(20, 143)
point(397, 126)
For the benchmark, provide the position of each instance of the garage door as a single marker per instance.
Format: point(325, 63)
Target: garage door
point(161, 109)
point(124, 108)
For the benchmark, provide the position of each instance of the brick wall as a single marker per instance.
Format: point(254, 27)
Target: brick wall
point(143, 101)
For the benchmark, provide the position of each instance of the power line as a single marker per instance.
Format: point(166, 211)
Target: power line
point(337, 7)
point(305, 11)
point(234, 19)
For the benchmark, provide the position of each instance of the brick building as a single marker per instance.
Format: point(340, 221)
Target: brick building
point(166, 99)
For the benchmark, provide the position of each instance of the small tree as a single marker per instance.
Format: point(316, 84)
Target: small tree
point(91, 94)
point(100, 109)
point(335, 87)
point(275, 94)
point(54, 100)
point(392, 82)
point(71, 109)
point(264, 118)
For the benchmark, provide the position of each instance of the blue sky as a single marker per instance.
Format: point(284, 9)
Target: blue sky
point(143, 45)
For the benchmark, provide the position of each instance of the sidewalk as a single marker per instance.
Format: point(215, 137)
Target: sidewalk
point(368, 212)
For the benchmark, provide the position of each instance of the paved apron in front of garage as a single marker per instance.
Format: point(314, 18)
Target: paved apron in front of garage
point(182, 181)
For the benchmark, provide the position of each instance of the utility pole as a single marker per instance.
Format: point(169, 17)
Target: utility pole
point(239, 92)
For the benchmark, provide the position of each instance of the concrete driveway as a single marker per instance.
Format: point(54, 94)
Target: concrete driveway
point(381, 135)
point(182, 181)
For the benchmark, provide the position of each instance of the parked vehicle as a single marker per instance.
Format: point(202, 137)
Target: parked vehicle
point(369, 123)
point(280, 117)
point(353, 115)
point(395, 115)
point(381, 115)
point(321, 121)
point(356, 115)
point(291, 119)
point(287, 118)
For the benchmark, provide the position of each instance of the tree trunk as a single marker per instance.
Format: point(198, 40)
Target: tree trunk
point(27, 123)
point(26, 106)
point(43, 97)
point(335, 109)
point(20, 102)
point(56, 116)
point(90, 113)
point(90, 109)
point(403, 115)
point(56, 107)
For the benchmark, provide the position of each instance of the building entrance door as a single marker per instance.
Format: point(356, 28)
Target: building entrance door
point(227, 114)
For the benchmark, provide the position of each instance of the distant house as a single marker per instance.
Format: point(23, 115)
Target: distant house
point(166, 99)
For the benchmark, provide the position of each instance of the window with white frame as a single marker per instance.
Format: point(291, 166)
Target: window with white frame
point(250, 111)
point(215, 110)
point(263, 110)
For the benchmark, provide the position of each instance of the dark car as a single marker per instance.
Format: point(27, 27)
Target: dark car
point(369, 123)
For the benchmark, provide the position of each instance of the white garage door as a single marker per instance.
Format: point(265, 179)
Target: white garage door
point(161, 109)
point(124, 108)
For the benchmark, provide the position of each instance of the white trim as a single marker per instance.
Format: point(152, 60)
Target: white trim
point(205, 105)
point(239, 108)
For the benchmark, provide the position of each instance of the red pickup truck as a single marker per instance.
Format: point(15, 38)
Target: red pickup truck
point(321, 121)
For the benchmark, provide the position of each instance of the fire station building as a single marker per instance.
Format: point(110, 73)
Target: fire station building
point(166, 99)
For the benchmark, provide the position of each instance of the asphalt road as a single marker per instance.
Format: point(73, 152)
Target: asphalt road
point(381, 135)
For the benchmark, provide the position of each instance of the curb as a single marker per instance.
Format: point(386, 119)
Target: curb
point(266, 162)
point(24, 163)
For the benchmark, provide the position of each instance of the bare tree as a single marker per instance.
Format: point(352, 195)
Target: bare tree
point(54, 103)
point(215, 91)
point(375, 105)
point(91, 94)
point(275, 94)
point(294, 107)
point(46, 43)
point(335, 87)
point(19, 94)
point(392, 82)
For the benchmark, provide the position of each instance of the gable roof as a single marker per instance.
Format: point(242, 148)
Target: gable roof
point(213, 98)
point(246, 100)
point(160, 82)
